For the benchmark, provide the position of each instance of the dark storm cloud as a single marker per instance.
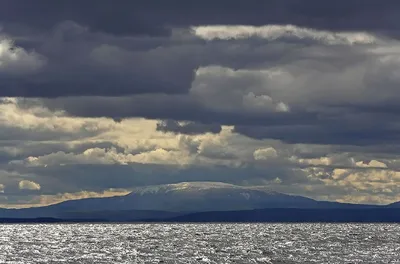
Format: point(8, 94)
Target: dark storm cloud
point(188, 128)
point(122, 18)
point(180, 107)
point(71, 60)
point(147, 52)
point(336, 134)
point(142, 17)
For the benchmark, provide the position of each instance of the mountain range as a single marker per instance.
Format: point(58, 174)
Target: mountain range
point(204, 202)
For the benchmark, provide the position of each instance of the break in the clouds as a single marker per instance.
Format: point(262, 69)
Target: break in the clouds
point(298, 96)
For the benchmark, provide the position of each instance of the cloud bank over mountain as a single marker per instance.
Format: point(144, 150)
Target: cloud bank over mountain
point(298, 96)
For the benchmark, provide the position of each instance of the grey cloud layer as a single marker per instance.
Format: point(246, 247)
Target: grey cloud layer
point(146, 18)
point(275, 81)
point(299, 95)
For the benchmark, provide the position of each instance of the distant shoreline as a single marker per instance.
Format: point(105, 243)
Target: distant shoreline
point(277, 215)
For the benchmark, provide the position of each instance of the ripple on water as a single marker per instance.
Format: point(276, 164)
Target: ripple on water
point(200, 243)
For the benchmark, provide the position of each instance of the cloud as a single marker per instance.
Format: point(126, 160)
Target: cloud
point(372, 163)
point(35, 122)
point(111, 63)
point(74, 64)
point(16, 61)
point(265, 153)
point(223, 89)
point(189, 128)
point(135, 154)
point(301, 97)
point(43, 200)
point(105, 157)
point(276, 32)
point(28, 185)
point(2, 188)
point(141, 18)
point(272, 87)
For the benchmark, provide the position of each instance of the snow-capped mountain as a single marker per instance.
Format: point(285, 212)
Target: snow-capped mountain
point(160, 201)
point(209, 196)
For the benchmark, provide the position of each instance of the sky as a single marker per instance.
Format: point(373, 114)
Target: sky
point(98, 97)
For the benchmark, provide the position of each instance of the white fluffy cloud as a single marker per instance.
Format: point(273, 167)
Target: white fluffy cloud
point(106, 157)
point(273, 32)
point(28, 185)
point(372, 163)
point(265, 153)
point(36, 120)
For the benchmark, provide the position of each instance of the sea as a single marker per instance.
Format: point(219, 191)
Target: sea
point(199, 243)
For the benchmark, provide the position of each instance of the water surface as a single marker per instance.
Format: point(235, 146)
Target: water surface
point(200, 243)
